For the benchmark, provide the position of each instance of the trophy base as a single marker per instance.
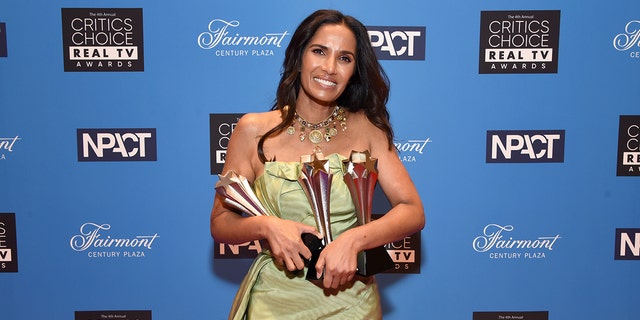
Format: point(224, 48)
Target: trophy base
point(315, 245)
point(373, 261)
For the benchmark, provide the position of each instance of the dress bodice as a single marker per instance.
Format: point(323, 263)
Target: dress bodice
point(280, 192)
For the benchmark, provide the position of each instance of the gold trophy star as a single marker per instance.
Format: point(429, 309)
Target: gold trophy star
point(319, 163)
point(371, 164)
point(360, 157)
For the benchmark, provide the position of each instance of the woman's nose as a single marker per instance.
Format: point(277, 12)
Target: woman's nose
point(329, 65)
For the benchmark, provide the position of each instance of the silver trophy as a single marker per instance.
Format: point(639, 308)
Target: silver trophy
point(361, 176)
point(237, 193)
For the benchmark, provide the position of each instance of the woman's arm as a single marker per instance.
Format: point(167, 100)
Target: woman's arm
point(226, 225)
point(405, 217)
point(283, 236)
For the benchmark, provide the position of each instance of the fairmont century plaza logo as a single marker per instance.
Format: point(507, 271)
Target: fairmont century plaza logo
point(629, 40)
point(494, 241)
point(224, 42)
point(92, 241)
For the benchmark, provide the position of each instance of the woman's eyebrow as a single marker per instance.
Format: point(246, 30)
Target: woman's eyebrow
point(326, 48)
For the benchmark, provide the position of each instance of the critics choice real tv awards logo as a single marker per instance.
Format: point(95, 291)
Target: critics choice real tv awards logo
point(8, 243)
point(102, 39)
point(3, 39)
point(117, 144)
point(221, 126)
point(405, 253)
point(519, 41)
point(113, 314)
point(629, 146)
point(510, 315)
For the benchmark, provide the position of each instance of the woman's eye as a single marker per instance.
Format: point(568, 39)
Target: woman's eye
point(317, 51)
point(345, 58)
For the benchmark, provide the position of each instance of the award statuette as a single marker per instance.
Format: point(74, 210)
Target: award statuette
point(315, 179)
point(237, 193)
point(361, 176)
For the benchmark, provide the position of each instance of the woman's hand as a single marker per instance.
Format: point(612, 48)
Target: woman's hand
point(338, 261)
point(285, 242)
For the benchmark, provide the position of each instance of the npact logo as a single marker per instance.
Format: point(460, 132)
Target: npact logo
point(117, 144)
point(627, 245)
point(525, 146)
point(398, 43)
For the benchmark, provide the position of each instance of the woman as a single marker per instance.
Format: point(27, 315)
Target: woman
point(331, 99)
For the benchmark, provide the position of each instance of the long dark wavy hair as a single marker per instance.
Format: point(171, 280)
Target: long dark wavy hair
point(368, 88)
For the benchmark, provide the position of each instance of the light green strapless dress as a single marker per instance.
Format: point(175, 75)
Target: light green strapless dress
point(271, 293)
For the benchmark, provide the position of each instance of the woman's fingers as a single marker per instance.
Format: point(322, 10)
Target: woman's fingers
point(334, 277)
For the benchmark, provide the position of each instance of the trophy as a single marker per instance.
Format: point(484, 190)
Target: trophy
point(237, 193)
point(315, 180)
point(361, 176)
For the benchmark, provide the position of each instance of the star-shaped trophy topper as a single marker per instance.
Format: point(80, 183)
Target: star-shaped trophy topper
point(315, 162)
point(226, 179)
point(236, 192)
point(361, 158)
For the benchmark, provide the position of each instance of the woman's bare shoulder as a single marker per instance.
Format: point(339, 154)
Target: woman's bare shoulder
point(241, 151)
point(258, 122)
point(363, 125)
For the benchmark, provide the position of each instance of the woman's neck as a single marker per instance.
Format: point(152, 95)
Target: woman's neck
point(314, 112)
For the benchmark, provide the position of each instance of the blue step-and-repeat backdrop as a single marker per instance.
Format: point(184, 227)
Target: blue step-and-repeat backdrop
point(518, 121)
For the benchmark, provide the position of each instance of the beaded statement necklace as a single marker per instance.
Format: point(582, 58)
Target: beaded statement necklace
point(323, 130)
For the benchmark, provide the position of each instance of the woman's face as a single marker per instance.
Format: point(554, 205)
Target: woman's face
point(328, 62)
